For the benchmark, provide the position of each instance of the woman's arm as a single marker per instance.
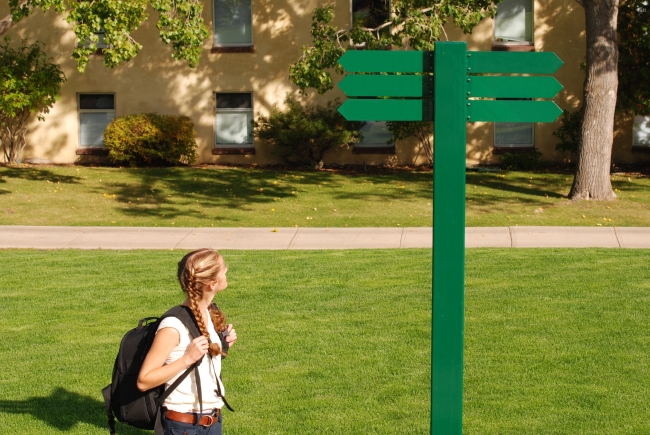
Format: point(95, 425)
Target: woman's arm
point(154, 372)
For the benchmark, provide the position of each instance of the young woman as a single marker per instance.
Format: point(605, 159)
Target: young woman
point(202, 274)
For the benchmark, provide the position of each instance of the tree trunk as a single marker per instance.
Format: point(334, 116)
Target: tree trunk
point(592, 180)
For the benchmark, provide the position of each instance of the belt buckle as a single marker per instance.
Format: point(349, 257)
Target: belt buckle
point(211, 421)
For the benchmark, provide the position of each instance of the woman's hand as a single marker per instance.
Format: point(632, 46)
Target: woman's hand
point(232, 335)
point(195, 351)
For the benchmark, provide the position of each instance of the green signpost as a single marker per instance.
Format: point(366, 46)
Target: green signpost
point(449, 86)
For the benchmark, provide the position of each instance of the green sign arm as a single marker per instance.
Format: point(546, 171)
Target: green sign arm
point(365, 85)
point(482, 62)
point(512, 87)
point(385, 110)
point(512, 111)
point(376, 61)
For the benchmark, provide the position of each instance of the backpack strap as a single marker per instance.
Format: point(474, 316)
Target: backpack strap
point(106, 392)
point(185, 315)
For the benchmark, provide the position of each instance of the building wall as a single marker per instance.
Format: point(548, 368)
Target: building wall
point(154, 81)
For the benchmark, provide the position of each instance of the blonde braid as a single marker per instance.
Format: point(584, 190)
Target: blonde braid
point(195, 271)
point(218, 318)
point(195, 297)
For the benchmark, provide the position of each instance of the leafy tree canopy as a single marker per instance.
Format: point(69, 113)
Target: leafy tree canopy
point(413, 24)
point(180, 24)
point(634, 56)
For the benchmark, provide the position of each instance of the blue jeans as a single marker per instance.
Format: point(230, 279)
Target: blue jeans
point(171, 427)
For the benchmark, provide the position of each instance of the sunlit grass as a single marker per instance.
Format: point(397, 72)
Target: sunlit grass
point(540, 198)
point(246, 197)
point(338, 342)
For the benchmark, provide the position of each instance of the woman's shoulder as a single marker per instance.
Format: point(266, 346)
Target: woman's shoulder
point(173, 322)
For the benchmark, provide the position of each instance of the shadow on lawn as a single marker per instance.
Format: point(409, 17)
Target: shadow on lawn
point(170, 191)
point(33, 174)
point(64, 409)
point(520, 186)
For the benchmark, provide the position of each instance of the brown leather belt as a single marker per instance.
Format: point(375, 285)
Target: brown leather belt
point(181, 417)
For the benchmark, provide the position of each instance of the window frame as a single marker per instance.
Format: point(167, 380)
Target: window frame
point(80, 111)
point(101, 46)
point(646, 120)
point(513, 146)
point(250, 145)
point(236, 45)
point(391, 144)
point(514, 43)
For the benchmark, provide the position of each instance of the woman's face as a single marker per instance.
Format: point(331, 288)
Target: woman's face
point(221, 282)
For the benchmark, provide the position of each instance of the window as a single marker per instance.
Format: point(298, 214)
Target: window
point(370, 13)
point(375, 135)
point(96, 111)
point(233, 23)
point(641, 131)
point(101, 43)
point(234, 120)
point(514, 135)
point(513, 23)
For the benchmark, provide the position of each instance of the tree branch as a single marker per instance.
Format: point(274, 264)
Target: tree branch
point(7, 22)
point(581, 2)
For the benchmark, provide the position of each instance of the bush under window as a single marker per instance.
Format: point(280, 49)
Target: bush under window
point(151, 139)
point(302, 135)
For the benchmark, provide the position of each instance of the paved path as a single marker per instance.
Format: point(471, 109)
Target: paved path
point(315, 238)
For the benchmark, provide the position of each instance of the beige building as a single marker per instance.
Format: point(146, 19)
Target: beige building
point(243, 72)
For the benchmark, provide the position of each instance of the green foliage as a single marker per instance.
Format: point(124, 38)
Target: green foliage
point(302, 135)
point(413, 24)
point(180, 23)
point(569, 131)
point(151, 139)
point(422, 130)
point(634, 56)
point(29, 84)
point(522, 161)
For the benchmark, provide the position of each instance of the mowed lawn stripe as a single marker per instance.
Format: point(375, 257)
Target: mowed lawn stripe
point(339, 341)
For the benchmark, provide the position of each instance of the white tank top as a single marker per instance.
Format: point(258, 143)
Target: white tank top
point(185, 397)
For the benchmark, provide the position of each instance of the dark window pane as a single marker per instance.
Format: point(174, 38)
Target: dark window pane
point(234, 101)
point(370, 13)
point(232, 22)
point(97, 101)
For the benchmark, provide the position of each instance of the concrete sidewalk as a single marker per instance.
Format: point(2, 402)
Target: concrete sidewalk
point(315, 238)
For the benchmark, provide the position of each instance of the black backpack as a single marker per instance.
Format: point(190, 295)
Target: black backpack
point(123, 399)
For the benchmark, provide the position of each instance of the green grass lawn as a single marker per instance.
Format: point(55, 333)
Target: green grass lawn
point(236, 197)
point(338, 342)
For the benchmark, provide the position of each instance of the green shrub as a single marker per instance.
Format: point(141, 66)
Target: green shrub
point(522, 161)
point(302, 135)
point(151, 139)
point(29, 83)
point(569, 131)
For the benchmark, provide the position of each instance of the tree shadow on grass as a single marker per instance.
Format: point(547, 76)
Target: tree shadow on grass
point(64, 409)
point(174, 191)
point(37, 174)
point(523, 194)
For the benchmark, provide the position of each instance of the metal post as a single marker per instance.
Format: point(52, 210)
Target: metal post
point(450, 76)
